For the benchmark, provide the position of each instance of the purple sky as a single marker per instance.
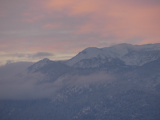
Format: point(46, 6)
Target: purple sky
point(58, 29)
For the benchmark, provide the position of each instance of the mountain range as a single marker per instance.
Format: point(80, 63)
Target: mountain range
point(121, 82)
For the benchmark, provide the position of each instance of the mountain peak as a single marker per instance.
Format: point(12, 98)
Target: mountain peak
point(39, 64)
point(87, 53)
point(128, 53)
point(45, 60)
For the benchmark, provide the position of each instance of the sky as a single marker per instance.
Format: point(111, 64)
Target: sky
point(31, 30)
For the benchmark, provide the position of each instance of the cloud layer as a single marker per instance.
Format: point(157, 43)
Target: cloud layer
point(16, 83)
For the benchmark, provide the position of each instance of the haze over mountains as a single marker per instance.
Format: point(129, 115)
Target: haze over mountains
point(115, 83)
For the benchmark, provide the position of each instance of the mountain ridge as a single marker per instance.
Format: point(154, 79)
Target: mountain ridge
point(128, 53)
point(97, 87)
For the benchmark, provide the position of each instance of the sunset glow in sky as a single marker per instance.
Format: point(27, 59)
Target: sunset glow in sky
point(58, 29)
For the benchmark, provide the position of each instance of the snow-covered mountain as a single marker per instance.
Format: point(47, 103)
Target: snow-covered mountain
point(36, 66)
point(121, 82)
point(121, 54)
point(130, 54)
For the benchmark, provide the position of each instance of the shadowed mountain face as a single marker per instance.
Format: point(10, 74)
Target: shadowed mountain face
point(121, 82)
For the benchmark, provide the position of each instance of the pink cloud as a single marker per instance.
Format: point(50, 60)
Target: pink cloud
point(123, 19)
